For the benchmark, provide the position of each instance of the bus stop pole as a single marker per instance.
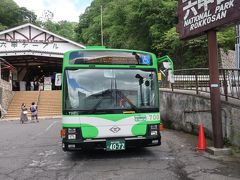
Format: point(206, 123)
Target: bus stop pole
point(215, 89)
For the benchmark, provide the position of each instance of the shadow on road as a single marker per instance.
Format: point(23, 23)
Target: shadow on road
point(134, 153)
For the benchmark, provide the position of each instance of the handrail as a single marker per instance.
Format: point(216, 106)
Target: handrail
point(38, 97)
point(190, 69)
point(198, 80)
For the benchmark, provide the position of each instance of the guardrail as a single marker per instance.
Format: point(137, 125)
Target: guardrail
point(198, 79)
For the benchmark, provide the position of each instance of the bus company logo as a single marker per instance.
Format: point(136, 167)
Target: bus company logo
point(115, 129)
point(140, 118)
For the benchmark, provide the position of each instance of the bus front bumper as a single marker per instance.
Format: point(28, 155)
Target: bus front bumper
point(130, 142)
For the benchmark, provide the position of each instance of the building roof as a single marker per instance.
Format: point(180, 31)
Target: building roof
point(43, 30)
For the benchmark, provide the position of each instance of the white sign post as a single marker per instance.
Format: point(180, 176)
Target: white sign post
point(58, 79)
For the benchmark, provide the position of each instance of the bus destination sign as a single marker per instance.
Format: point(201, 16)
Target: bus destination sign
point(195, 17)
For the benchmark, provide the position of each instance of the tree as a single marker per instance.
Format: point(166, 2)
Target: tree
point(62, 28)
point(135, 24)
point(12, 15)
point(146, 25)
point(226, 38)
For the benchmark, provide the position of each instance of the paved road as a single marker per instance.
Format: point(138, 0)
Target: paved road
point(33, 151)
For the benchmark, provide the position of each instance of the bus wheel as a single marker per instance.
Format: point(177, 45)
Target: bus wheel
point(65, 146)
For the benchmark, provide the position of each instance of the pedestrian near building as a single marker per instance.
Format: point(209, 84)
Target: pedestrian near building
point(31, 86)
point(34, 111)
point(23, 117)
point(36, 85)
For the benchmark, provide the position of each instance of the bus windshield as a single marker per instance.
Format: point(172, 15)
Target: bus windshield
point(97, 91)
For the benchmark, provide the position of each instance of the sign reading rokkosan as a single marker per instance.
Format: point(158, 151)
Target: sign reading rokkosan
point(198, 16)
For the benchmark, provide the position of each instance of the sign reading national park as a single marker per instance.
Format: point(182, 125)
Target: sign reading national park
point(198, 16)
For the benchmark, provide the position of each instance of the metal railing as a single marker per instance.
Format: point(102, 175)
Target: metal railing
point(198, 79)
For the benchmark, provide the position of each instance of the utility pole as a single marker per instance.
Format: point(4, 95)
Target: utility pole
point(101, 25)
point(237, 46)
point(215, 89)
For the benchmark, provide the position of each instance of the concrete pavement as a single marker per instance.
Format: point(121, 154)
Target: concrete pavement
point(33, 151)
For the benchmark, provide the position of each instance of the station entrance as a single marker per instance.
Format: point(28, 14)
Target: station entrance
point(35, 72)
point(36, 55)
point(31, 61)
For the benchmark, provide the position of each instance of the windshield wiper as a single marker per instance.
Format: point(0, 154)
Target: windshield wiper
point(110, 92)
point(103, 94)
point(131, 104)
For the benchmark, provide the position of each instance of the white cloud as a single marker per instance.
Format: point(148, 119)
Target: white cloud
point(62, 9)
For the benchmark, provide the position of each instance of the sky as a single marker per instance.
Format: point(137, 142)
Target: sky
point(62, 9)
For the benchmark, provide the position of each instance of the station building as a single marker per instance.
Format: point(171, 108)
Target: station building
point(30, 59)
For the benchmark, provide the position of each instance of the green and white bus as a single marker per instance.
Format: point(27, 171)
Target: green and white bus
point(110, 99)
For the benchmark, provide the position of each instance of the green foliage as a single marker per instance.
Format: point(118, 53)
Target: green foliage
point(146, 25)
point(9, 13)
point(12, 15)
point(186, 54)
point(135, 24)
point(226, 38)
point(132, 24)
point(62, 28)
point(193, 53)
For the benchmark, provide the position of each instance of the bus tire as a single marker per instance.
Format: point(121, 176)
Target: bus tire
point(65, 147)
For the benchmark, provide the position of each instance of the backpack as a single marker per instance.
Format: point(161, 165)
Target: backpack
point(33, 109)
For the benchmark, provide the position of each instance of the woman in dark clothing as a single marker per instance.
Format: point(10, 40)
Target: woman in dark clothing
point(23, 117)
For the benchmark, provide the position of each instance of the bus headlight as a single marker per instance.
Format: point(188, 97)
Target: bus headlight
point(72, 136)
point(154, 133)
point(153, 130)
point(154, 127)
point(72, 130)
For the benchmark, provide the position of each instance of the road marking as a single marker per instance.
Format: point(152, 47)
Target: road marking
point(51, 125)
point(41, 133)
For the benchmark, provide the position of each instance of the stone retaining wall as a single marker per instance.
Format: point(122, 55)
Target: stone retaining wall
point(183, 111)
point(6, 97)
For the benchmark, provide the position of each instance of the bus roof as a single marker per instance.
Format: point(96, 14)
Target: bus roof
point(67, 56)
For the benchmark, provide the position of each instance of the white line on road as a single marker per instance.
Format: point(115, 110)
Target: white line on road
point(51, 125)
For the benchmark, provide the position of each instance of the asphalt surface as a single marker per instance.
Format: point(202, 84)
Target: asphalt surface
point(33, 151)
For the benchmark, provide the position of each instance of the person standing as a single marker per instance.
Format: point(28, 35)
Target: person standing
point(23, 117)
point(34, 111)
point(31, 86)
point(36, 85)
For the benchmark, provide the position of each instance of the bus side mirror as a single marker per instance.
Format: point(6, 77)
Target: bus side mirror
point(167, 65)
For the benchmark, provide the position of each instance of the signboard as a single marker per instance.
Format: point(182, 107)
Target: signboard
point(198, 16)
point(47, 87)
point(58, 79)
point(47, 80)
point(47, 83)
point(28, 48)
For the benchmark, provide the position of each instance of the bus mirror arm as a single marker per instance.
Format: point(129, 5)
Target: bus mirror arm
point(166, 59)
point(163, 72)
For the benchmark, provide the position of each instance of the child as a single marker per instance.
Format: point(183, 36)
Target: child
point(33, 109)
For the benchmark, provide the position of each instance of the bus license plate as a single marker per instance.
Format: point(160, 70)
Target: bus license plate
point(114, 145)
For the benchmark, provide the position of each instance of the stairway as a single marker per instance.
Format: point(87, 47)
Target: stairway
point(49, 103)
point(14, 109)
